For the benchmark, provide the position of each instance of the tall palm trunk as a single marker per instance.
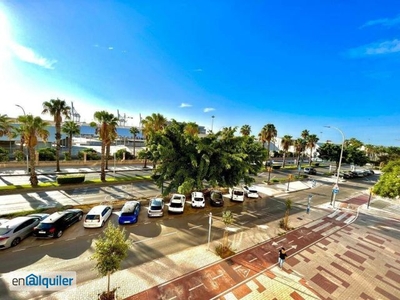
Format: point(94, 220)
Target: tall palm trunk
point(310, 156)
point(33, 178)
point(70, 146)
point(103, 159)
point(58, 142)
point(107, 154)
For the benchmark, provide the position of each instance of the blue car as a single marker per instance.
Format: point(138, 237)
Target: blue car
point(129, 213)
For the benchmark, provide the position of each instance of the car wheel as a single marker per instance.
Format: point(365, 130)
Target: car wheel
point(15, 242)
point(59, 233)
point(102, 224)
point(80, 217)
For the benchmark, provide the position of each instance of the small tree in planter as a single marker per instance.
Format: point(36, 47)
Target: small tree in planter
point(110, 250)
point(224, 249)
point(284, 223)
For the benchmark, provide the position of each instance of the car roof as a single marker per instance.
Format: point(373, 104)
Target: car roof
point(198, 194)
point(97, 209)
point(156, 200)
point(57, 215)
point(129, 206)
point(15, 222)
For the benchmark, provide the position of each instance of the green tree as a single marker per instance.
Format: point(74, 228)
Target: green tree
point(57, 108)
point(286, 142)
point(299, 145)
point(227, 218)
point(331, 152)
point(268, 134)
point(31, 128)
point(5, 126)
point(134, 131)
point(70, 128)
point(106, 129)
point(389, 182)
point(312, 141)
point(109, 252)
point(245, 130)
point(191, 128)
point(220, 159)
point(151, 125)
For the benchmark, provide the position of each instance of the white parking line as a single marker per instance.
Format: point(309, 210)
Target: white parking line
point(195, 287)
point(195, 227)
point(251, 260)
point(46, 244)
point(267, 253)
point(218, 276)
point(171, 233)
point(137, 242)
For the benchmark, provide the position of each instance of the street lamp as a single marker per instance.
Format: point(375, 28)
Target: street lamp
point(27, 156)
point(212, 123)
point(338, 169)
point(23, 110)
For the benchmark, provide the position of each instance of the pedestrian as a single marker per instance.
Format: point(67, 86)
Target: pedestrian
point(282, 257)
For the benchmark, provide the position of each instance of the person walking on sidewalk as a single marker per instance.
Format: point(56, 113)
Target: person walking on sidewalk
point(282, 257)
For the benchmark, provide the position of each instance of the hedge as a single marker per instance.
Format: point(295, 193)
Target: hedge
point(70, 179)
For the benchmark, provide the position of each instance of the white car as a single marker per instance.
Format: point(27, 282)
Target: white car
point(97, 216)
point(198, 200)
point(177, 203)
point(236, 194)
point(250, 192)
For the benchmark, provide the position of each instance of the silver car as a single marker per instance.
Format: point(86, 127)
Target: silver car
point(15, 230)
point(156, 207)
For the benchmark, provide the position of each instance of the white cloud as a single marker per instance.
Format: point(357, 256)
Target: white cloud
point(208, 109)
point(185, 105)
point(198, 70)
point(110, 48)
point(386, 47)
point(28, 55)
point(384, 22)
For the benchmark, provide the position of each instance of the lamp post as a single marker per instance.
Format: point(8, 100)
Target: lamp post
point(340, 163)
point(27, 157)
point(212, 123)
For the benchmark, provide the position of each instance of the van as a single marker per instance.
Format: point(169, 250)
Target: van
point(236, 194)
point(97, 216)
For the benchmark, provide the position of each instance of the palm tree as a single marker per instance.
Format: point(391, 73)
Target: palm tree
point(305, 134)
point(106, 129)
point(134, 131)
point(5, 125)
point(191, 129)
point(152, 124)
point(286, 142)
point(245, 130)
point(32, 128)
point(71, 128)
point(271, 134)
point(311, 143)
point(57, 108)
point(298, 146)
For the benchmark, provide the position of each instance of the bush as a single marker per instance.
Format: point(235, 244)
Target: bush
point(19, 155)
point(276, 167)
point(91, 154)
point(47, 154)
point(3, 154)
point(71, 179)
point(120, 154)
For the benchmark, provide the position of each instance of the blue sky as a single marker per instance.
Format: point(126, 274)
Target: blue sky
point(296, 64)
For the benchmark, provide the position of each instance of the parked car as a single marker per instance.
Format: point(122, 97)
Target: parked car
point(236, 194)
point(177, 203)
point(198, 200)
point(310, 170)
point(156, 207)
point(55, 224)
point(97, 216)
point(250, 192)
point(129, 213)
point(13, 231)
point(216, 198)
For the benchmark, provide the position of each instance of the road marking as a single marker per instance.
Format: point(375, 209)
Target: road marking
point(218, 276)
point(341, 217)
point(300, 237)
point(46, 244)
point(251, 260)
point(141, 241)
point(267, 253)
point(195, 227)
point(174, 297)
point(237, 267)
point(74, 238)
point(19, 250)
point(349, 220)
point(171, 233)
point(309, 233)
point(333, 214)
point(291, 241)
point(195, 287)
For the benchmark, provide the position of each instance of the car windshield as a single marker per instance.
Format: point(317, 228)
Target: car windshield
point(253, 191)
point(93, 217)
point(155, 205)
point(126, 214)
point(198, 199)
point(4, 230)
point(176, 204)
point(216, 196)
point(238, 193)
point(45, 225)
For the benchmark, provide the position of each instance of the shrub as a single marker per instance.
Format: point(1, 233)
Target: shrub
point(120, 154)
point(19, 155)
point(3, 154)
point(91, 154)
point(276, 167)
point(70, 179)
point(47, 154)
